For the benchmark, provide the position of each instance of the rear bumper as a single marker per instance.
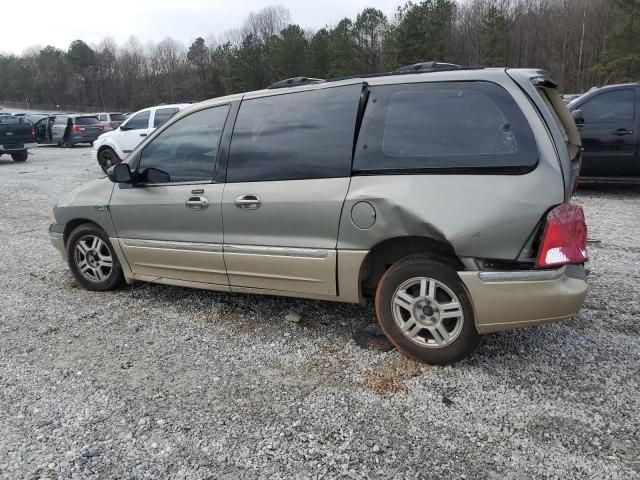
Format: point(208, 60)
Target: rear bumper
point(17, 148)
point(83, 138)
point(508, 300)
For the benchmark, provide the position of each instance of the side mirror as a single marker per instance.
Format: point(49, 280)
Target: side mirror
point(120, 173)
point(155, 175)
point(578, 117)
point(124, 128)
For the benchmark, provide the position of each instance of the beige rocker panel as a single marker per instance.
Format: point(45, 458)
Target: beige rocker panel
point(349, 262)
point(299, 270)
point(183, 261)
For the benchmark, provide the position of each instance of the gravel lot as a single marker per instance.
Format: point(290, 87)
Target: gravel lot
point(162, 382)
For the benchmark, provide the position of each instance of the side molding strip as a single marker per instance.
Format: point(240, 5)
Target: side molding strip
point(277, 251)
point(216, 247)
point(191, 246)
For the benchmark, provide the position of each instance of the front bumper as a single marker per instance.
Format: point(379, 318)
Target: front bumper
point(506, 300)
point(57, 240)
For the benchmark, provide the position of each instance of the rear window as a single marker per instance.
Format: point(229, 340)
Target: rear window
point(86, 121)
point(117, 117)
point(10, 120)
point(444, 125)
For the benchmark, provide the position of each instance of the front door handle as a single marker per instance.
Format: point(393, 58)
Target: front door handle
point(622, 131)
point(197, 202)
point(143, 134)
point(248, 202)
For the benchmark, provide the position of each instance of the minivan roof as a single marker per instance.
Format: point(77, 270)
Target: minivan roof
point(459, 74)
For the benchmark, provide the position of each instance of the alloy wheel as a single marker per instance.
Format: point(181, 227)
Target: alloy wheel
point(93, 258)
point(427, 312)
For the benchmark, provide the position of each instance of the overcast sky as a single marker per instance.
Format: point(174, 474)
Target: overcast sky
point(47, 22)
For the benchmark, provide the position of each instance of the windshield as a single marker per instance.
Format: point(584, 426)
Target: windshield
point(87, 121)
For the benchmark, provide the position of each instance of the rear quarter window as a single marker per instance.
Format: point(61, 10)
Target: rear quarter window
point(444, 126)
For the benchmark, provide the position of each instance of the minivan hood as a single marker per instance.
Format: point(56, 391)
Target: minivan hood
point(92, 194)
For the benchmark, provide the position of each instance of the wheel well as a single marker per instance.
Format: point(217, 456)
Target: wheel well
point(105, 147)
point(389, 251)
point(73, 224)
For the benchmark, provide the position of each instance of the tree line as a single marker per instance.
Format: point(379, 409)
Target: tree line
point(581, 42)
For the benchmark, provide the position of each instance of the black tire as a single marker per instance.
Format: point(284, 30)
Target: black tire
point(90, 262)
point(20, 156)
point(448, 289)
point(107, 158)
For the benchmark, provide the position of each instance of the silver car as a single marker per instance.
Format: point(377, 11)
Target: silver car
point(69, 130)
point(440, 192)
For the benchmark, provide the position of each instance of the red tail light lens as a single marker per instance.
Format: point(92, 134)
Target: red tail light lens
point(33, 132)
point(564, 240)
point(76, 128)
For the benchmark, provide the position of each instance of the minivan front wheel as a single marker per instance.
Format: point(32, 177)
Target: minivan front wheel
point(423, 308)
point(92, 259)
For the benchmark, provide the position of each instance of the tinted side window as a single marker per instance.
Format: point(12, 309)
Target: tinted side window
point(444, 125)
point(294, 136)
point(610, 107)
point(187, 150)
point(162, 115)
point(139, 121)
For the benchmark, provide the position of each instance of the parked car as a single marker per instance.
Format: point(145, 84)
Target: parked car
point(610, 118)
point(69, 130)
point(569, 97)
point(16, 137)
point(112, 147)
point(110, 121)
point(441, 192)
point(43, 128)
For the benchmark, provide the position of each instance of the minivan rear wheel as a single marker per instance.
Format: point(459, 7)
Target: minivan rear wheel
point(92, 260)
point(424, 310)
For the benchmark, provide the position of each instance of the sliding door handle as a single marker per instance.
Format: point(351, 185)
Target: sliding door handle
point(248, 202)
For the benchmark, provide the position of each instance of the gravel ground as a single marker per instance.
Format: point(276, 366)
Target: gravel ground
point(164, 382)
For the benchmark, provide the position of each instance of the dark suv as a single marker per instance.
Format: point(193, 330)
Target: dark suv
point(609, 132)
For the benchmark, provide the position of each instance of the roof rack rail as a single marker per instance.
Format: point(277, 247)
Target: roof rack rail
point(432, 67)
point(295, 82)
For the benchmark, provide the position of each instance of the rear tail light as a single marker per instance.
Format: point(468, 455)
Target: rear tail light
point(76, 128)
point(564, 239)
point(33, 132)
